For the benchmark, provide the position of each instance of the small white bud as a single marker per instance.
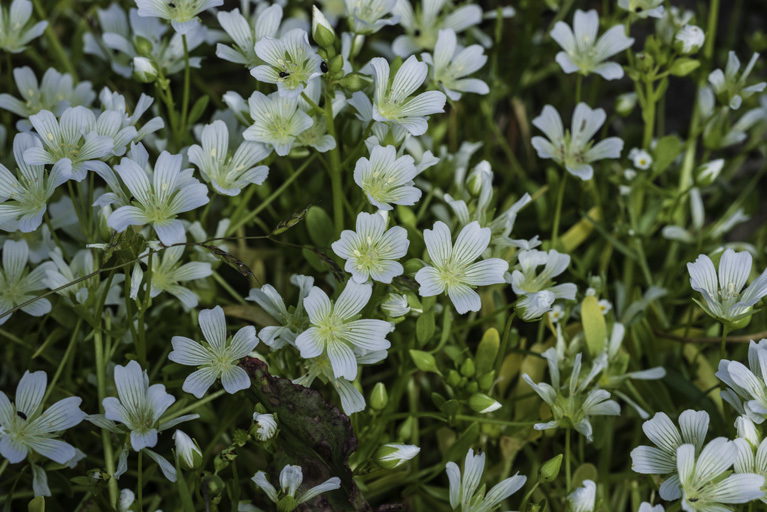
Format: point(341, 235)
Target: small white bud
point(393, 455)
point(187, 451)
point(144, 70)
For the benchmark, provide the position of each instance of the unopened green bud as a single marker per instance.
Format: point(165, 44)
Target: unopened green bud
point(322, 31)
point(453, 378)
point(486, 381)
point(424, 361)
point(550, 469)
point(405, 430)
point(467, 368)
point(393, 455)
point(143, 46)
point(472, 387)
point(354, 82)
point(379, 397)
point(481, 403)
point(336, 64)
point(215, 484)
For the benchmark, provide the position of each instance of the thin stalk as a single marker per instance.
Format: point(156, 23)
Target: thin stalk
point(648, 115)
point(53, 39)
point(140, 482)
point(101, 364)
point(141, 339)
point(192, 407)
point(335, 167)
point(558, 211)
point(64, 360)
point(723, 346)
point(568, 477)
point(185, 99)
point(527, 496)
point(578, 86)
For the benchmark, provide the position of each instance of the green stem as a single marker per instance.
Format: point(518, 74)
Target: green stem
point(141, 339)
point(335, 167)
point(494, 421)
point(578, 86)
point(53, 39)
point(140, 482)
point(3, 466)
point(316, 108)
point(64, 360)
point(648, 114)
point(558, 211)
point(723, 347)
point(101, 366)
point(568, 480)
point(713, 16)
point(185, 100)
point(529, 493)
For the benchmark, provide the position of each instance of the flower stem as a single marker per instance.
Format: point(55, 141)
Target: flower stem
point(567, 460)
point(578, 86)
point(648, 115)
point(527, 496)
point(335, 167)
point(101, 364)
point(723, 347)
point(140, 486)
point(53, 40)
point(185, 99)
point(558, 211)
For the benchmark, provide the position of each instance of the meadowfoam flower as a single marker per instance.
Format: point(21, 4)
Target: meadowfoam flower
point(25, 427)
point(369, 16)
point(267, 426)
point(15, 32)
point(386, 179)
point(730, 86)
point(422, 25)
point(690, 38)
point(372, 251)
point(451, 66)
point(571, 406)
point(216, 359)
point(17, 285)
point(703, 478)
point(290, 321)
point(640, 158)
point(394, 455)
point(124, 126)
point(752, 451)
point(537, 290)
point(333, 332)
point(747, 391)
point(724, 297)
point(453, 269)
point(661, 459)
point(139, 406)
point(182, 14)
point(291, 478)
point(464, 493)
point(245, 33)
point(158, 202)
point(643, 8)
point(277, 121)
point(71, 142)
point(228, 173)
point(392, 99)
point(583, 498)
point(167, 275)
point(290, 62)
point(573, 149)
point(24, 196)
point(586, 54)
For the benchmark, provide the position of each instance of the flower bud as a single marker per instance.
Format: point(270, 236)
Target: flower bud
point(379, 397)
point(393, 455)
point(287, 504)
point(486, 381)
point(144, 70)
point(214, 484)
point(467, 368)
point(395, 305)
point(126, 500)
point(266, 426)
point(336, 64)
point(707, 173)
point(322, 32)
point(354, 82)
point(549, 471)
point(424, 361)
point(626, 103)
point(747, 430)
point(690, 39)
point(487, 350)
point(481, 403)
point(453, 378)
point(187, 451)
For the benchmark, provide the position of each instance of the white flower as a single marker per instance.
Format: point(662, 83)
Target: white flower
point(24, 426)
point(246, 32)
point(729, 86)
point(691, 38)
point(704, 482)
point(574, 149)
point(168, 273)
point(647, 507)
point(708, 172)
point(386, 179)
point(372, 251)
point(15, 31)
point(291, 478)
point(395, 305)
point(463, 490)
point(370, 16)
point(334, 332)
point(748, 390)
point(277, 121)
point(661, 459)
point(557, 313)
point(583, 52)
point(218, 358)
point(228, 173)
point(643, 8)
point(422, 25)
point(290, 62)
point(267, 425)
point(537, 291)
point(453, 270)
point(392, 101)
point(640, 158)
point(17, 285)
point(451, 65)
point(582, 499)
point(605, 306)
point(139, 406)
point(290, 321)
point(145, 70)
point(724, 298)
point(158, 202)
point(394, 455)
point(126, 500)
point(182, 14)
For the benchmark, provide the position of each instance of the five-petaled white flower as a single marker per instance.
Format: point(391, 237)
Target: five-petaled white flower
point(453, 268)
point(369, 16)
point(217, 359)
point(573, 149)
point(422, 25)
point(267, 425)
point(747, 391)
point(372, 251)
point(228, 173)
point(731, 87)
point(15, 31)
point(386, 179)
point(661, 458)
point(17, 285)
point(277, 121)
point(167, 274)
point(334, 332)
point(451, 65)
point(246, 32)
point(724, 297)
point(583, 498)
point(291, 478)
point(182, 14)
point(643, 8)
point(158, 202)
point(537, 290)
point(392, 101)
point(583, 52)
point(465, 494)
point(290, 62)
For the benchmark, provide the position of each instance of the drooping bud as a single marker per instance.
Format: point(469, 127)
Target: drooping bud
point(265, 425)
point(187, 451)
point(481, 403)
point(707, 173)
point(393, 455)
point(690, 39)
point(144, 70)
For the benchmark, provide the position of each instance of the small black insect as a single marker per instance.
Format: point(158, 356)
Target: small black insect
point(284, 74)
point(417, 32)
point(21, 415)
point(638, 9)
point(324, 67)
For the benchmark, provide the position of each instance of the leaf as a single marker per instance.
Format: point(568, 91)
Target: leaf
point(37, 505)
point(666, 151)
point(578, 233)
point(593, 325)
point(313, 434)
point(198, 109)
point(320, 226)
point(425, 327)
point(458, 449)
point(487, 351)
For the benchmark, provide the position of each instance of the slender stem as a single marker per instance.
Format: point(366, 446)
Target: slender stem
point(185, 99)
point(648, 114)
point(64, 360)
point(53, 39)
point(101, 365)
point(316, 108)
point(527, 496)
point(723, 346)
point(713, 15)
point(494, 421)
point(140, 482)
point(578, 86)
point(335, 167)
point(558, 211)
point(141, 340)
point(567, 460)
